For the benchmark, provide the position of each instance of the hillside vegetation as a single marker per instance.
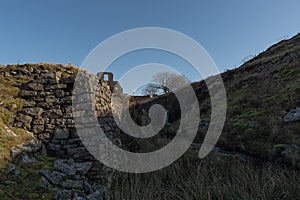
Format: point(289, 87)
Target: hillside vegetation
point(259, 95)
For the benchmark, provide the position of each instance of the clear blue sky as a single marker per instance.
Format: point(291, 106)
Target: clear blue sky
point(63, 31)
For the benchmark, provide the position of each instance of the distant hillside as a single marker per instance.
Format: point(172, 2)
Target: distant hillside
point(259, 94)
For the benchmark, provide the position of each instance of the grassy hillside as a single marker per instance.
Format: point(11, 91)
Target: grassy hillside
point(259, 94)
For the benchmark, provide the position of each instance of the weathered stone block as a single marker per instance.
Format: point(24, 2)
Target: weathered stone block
point(70, 121)
point(44, 105)
point(60, 93)
point(74, 140)
point(54, 147)
point(54, 113)
point(57, 154)
point(73, 133)
point(51, 99)
point(72, 184)
point(63, 194)
point(61, 133)
point(55, 86)
point(47, 75)
point(54, 177)
point(28, 93)
point(29, 104)
point(24, 125)
point(70, 146)
point(38, 128)
point(32, 111)
point(68, 80)
point(32, 86)
point(64, 142)
point(58, 121)
point(50, 126)
point(23, 118)
point(96, 195)
point(40, 121)
point(43, 136)
point(70, 126)
point(66, 100)
point(68, 115)
point(45, 93)
point(47, 81)
point(76, 151)
point(55, 141)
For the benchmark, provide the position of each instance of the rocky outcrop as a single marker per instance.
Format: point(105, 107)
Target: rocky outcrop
point(24, 153)
point(31, 146)
point(71, 176)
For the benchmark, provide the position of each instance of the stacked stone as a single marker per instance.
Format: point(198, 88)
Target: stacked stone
point(48, 113)
point(71, 176)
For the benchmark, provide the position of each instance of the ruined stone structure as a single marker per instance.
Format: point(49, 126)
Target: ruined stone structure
point(108, 77)
point(48, 113)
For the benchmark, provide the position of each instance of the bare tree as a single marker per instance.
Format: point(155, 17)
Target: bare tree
point(165, 83)
point(151, 89)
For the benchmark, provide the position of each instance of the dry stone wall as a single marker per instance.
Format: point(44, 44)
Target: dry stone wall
point(48, 113)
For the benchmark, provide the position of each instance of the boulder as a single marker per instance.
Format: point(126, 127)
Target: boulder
point(82, 168)
point(53, 177)
point(65, 166)
point(72, 184)
point(293, 115)
point(70, 167)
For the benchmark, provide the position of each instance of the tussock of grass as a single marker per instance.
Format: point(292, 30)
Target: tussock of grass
point(210, 178)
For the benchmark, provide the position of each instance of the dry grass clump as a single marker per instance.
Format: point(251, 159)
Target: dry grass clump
point(214, 177)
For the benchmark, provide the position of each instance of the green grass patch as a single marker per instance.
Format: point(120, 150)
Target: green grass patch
point(27, 184)
point(8, 141)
